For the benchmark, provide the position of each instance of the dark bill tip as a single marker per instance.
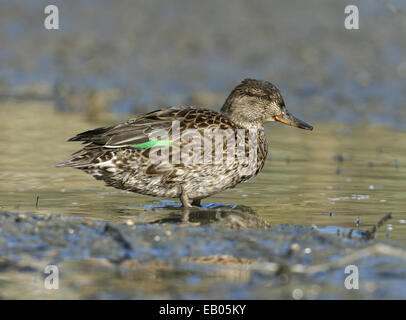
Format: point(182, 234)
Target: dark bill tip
point(305, 126)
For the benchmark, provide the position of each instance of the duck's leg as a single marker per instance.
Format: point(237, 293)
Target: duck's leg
point(184, 199)
point(185, 204)
point(196, 203)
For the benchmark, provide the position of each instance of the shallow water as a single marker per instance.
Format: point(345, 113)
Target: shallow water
point(332, 176)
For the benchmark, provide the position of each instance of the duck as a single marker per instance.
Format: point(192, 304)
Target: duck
point(186, 152)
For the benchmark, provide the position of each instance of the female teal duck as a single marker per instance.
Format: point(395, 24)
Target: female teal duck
point(174, 152)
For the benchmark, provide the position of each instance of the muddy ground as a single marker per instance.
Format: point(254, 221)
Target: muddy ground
point(233, 258)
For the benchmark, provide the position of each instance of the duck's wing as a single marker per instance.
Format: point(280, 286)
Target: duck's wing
point(138, 130)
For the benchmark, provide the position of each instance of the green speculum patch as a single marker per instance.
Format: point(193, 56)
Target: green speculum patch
point(152, 143)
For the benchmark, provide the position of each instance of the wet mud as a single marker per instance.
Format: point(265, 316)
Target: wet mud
point(206, 257)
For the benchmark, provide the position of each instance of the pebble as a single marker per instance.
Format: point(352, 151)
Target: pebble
point(295, 246)
point(129, 223)
point(297, 294)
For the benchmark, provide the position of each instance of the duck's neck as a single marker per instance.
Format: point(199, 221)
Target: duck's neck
point(241, 120)
point(258, 127)
point(244, 124)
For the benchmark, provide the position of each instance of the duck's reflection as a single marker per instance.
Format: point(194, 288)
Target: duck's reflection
point(227, 216)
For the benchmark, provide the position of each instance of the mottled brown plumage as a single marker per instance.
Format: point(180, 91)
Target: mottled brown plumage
point(121, 155)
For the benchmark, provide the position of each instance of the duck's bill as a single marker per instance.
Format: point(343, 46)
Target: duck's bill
point(290, 120)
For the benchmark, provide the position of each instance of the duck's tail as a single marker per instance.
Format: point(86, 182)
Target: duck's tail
point(85, 158)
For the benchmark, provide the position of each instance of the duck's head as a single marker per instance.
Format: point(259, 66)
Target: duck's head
point(256, 102)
